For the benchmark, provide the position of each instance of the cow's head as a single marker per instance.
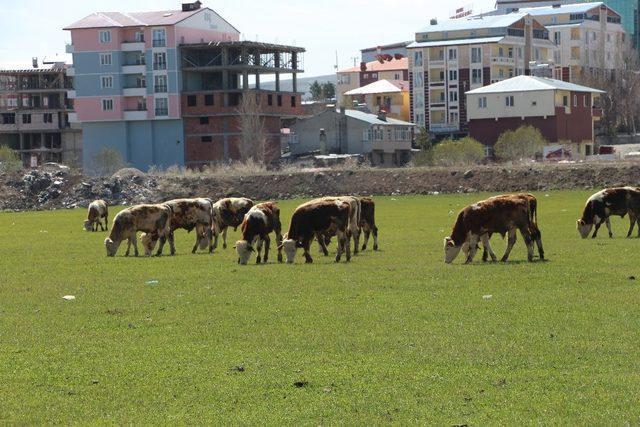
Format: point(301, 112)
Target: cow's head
point(451, 251)
point(148, 243)
point(290, 247)
point(88, 225)
point(244, 250)
point(584, 228)
point(112, 247)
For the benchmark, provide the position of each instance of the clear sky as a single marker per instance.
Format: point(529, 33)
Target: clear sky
point(34, 27)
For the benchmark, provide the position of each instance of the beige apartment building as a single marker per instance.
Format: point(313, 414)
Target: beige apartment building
point(452, 57)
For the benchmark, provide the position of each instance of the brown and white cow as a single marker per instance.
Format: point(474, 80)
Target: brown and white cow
point(187, 214)
point(368, 221)
point(318, 217)
point(478, 221)
point(536, 235)
point(353, 228)
point(228, 212)
point(609, 202)
point(96, 211)
point(261, 220)
point(151, 219)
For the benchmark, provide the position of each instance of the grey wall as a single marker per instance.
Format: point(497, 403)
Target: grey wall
point(308, 134)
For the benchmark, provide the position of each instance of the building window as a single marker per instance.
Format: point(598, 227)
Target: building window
point(418, 80)
point(417, 59)
point(374, 75)
point(141, 82)
point(208, 99)
point(204, 120)
point(565, 101)
point(575, 100)
point(586, 101)
point(453, 118)
point(162, 107)
point(47, 118)
point(139, 37)
point(534, 103)
point(365, 76)
point(476, 76)
point(509, 101)
point(488, 151)
point(192, 101)
point(270, 100)
point(106, 82)
point(419, 100)
point(482, 102)
point(453, 74)
point(159, 37)
point(160, 84)
point(557, 38)
point(279, 100)
point(453, 54)
point(453, 96)
point(107, 105)
point(106, 59)
point(26, 119)
point(9, 119)
point(105, 36)
point(159, 61)
point(293, 101)
point(476, 55)
point(345, 79)
point(206, 138)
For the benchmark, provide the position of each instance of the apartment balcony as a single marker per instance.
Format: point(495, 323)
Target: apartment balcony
point(73, 117)
point(133, 46)
point(160, 89)
point(134, 91)
point(443, 127)
point(390, 146)
point(134, 69)
point(503, 60)
point(71, 94)
point(8, 127)
point(134, 115)
point(69, 48)
point(436, 83)
point(436, 63)
point(162, 112)
point(71, 72)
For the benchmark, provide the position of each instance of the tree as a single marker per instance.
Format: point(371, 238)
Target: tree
point(466, 151)
point(107, 162)
point(253, 139)
point(523, 143)
point(328, 91)
point(9, 160)
point(423, 140)
point(316, 91)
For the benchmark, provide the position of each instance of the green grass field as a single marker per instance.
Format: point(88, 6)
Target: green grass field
point(393, 337)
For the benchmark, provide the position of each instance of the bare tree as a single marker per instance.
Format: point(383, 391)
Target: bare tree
point(254, 143)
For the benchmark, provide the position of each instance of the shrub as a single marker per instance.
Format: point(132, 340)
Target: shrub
point(107, 162)
point(521, 144)
point(466, 151)
point(9, 160)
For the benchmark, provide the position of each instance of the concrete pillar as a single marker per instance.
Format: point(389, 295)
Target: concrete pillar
point(245, 80)
point(294, 82)
point(277, 82)
point(257, 81)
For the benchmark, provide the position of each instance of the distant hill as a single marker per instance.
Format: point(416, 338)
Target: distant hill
point(304, 84)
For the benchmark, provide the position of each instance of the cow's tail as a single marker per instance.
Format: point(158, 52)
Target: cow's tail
point(166, 230)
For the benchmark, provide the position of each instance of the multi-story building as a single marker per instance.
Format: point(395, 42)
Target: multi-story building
point(563, 112)
point(388, 96)
point(388, 68)
point(627, 9)
point(141, 79)
point(372, 53)
point(451, 57)
point(34, 115)
point(587, 36)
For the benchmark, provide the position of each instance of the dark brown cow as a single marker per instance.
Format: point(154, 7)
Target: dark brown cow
point(368, 221)
point(318, 217)
point(96, 211)
point(618, 201)
point(151, 219)
point(259, 222)
point(476, 222)
point(228, 212)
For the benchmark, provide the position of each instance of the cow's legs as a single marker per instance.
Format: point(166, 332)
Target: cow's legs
point(537, 237)
point(511, 241)
point(257, 242)
point(279, 244)
point(367, 232)
point(267, 246)
point(128, 247)
point(375, 238)
point(172, 245)
point(473, 247)
point(306, 245)
point(356, 240)
point(487, 248)
point(342, 239)
point(595, 232)
point(224, 238)
point(106, 222)
point(348, 248)
point(632, 223)
point(163, 240)
point(526, 235)
point(322, 244)
point(608, 222)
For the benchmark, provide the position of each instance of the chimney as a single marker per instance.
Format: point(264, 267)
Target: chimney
point(556, 6)
point(363, 66)
point(34, 62)
point(188, 7)
point(382, 115)
point(434, 21)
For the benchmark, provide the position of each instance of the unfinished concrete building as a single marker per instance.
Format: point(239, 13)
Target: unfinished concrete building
point(215, 78)
point(34, 115)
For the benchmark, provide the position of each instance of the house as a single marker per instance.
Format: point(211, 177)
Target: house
point(390, 96)
point(164, 87)
point(36, 114)
point(387, 68)
point(384, 141)
point(451, 57)
point(562, 111)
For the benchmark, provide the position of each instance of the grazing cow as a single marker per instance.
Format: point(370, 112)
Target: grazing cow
point(476, 222)
point(353, 229)
point(536, 235)
point(97, 210)
point(368, 221)
point(228, 212)
point(611, 201)
point(318, 217)
point(152, 219)
point(258, 223)
point(186, 214)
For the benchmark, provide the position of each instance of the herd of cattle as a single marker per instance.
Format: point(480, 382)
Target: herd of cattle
point(346, 218)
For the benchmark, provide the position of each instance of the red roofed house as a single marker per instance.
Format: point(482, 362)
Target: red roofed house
point(387, 68)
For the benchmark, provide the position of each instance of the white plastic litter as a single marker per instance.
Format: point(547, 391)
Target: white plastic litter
point(69, 297)
point(152, 282)
point(487, 297)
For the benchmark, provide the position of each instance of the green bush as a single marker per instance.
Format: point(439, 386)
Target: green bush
point(463, 152)
point(521, 144)
point(107, 162)
point(9, 160)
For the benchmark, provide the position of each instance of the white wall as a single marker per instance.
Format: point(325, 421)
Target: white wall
point(523, 105)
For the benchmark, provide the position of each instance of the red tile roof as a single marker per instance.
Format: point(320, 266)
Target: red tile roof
point(373, 66)
point(134, 19)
